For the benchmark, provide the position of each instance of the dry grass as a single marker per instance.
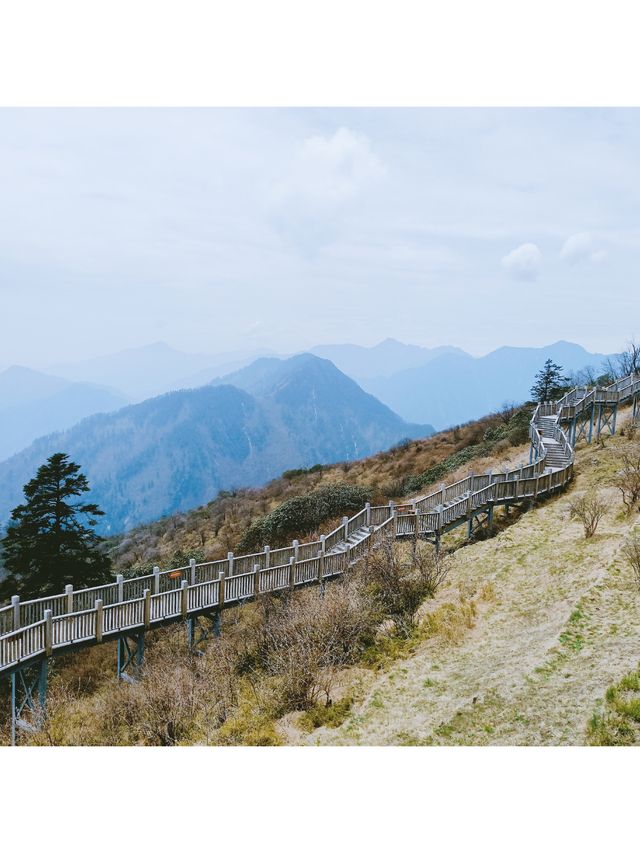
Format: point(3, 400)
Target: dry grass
point(523, 641)
point(211, 531)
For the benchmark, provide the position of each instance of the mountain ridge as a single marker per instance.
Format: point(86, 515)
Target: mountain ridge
point(178, 450)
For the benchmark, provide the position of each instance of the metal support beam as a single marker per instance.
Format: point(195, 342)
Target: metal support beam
point(130, 656)
point(28, 698)
point(608, 417)
point(202, 628)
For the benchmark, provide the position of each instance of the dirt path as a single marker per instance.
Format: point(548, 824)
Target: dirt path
point(562, 626)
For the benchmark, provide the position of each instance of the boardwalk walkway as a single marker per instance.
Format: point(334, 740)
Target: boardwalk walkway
point(32, 631)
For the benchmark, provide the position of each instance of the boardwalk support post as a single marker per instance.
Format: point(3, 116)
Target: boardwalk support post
point(28, 698)
point(131, 646)
point(99, 620)
point(184, 599)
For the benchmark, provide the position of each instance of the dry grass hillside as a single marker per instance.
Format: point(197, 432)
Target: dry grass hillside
point(533, 640)
point(209, 532)
point(528, 636)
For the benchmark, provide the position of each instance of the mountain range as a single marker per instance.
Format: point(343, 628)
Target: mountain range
point(455, 387)
point(33, 404)
point(177, 451)
point(383, 359)
point(147, 371)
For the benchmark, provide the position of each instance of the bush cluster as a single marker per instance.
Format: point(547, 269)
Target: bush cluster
point(303, 514)
point(513, 430)
point(292, 473)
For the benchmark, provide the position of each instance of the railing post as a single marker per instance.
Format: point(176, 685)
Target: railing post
point(230, 560)
point(192, 572)
point(367, 514)
point(220, 590)
point(68, 591)
point(48, 632)
point(292, 572)
point(120, 582)
point(146, 595)
point(267, 555)
point(15, 603)
point(320, 565)
point(184, 599)
point(256, 581)
point(345, 524)
point(296, 546)
point(394, 523)
point(156, 580)
point(322, 543)
point(99, 620)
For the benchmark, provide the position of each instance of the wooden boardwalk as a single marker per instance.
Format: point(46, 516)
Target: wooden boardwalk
point(31, 631)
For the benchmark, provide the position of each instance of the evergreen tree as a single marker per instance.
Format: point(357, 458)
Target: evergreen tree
point(550, 383)
point(50, 541)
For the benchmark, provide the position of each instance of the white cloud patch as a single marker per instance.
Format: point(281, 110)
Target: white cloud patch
point(583, 247)
point(327, 174)
point(524, 262)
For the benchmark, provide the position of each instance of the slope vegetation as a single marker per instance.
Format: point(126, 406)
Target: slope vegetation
point(523, 643)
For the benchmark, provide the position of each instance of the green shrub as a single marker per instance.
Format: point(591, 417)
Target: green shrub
point(301, 515)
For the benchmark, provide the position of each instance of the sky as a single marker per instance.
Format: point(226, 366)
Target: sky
point(235, 229)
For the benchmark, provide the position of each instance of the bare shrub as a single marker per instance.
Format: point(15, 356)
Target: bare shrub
point(303, 639)
point(631, 553)
point(180, 698)
point(400, 577)
point(627, 479)
point(590, 509)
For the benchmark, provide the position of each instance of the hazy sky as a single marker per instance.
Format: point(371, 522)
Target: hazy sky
point(218, 229)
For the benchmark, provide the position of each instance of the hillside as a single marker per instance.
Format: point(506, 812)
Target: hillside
point(531, 639)
point(212, 530)
point(523, 642)
point(177, 451)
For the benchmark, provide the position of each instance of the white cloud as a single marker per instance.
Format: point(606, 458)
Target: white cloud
point(582, 247)
point(524, 262)
point(326, 175)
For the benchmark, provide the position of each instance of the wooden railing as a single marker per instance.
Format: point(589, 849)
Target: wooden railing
point(34, 628)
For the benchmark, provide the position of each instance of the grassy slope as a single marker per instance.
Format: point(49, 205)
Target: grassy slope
point(533, 627)
point(212, 530)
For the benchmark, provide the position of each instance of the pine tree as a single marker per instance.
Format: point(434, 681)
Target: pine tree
point(550, 382)
point(50, 541)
